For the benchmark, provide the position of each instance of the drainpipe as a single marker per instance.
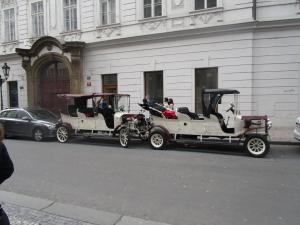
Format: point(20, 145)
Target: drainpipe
point(254, 10)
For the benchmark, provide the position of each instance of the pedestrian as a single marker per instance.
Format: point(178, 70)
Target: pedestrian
point(6, 170)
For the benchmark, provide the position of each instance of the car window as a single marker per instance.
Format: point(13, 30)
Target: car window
point(11, 114)
point(41, 114)
point(22, 114)
point(3, 114)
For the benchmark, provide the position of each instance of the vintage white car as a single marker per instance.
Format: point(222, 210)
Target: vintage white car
point(211, 125)
point(98, 114)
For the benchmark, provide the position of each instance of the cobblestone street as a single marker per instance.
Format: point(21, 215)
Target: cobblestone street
point(25, 216)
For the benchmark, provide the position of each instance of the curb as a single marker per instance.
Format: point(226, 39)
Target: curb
point(83, 214)
point(284, 143)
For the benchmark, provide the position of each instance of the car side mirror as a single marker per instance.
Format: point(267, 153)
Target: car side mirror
point(26, 118)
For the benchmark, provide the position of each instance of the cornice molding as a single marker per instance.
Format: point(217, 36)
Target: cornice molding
point(219, 29)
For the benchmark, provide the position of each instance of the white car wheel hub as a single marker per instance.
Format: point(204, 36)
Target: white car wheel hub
point(123, 137)
point(157, 140)
point(256, 146)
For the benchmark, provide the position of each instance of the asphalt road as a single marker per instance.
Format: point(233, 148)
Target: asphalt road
point(181, 186)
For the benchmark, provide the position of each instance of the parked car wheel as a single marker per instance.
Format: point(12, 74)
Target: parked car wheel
point(62, 134)
point(158, 140)
point(124, 137)
point(257, 145)
point(38, 134)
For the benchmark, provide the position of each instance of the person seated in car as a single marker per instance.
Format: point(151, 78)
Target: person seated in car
point(170, 104)
point(108, 114)
point(166, 105)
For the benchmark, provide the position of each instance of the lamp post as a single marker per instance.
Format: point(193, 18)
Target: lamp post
point(5, 70)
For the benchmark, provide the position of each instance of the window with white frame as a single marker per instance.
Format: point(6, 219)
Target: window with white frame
point(108, 12)
point(37, 18)
point(9, 24)
point(205, 4)
point(70, 14)
point(152, 8)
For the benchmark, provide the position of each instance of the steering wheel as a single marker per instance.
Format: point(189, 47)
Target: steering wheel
point(121, 108)
point(232, 106)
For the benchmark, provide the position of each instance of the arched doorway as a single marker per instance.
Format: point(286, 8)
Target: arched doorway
point(54, 79)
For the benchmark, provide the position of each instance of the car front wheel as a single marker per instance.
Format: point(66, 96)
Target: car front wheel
point(124, 137)
point(257, 146)
point(38, 134)
point(62, 134)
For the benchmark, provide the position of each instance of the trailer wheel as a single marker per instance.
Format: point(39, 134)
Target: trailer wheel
point(124, 137)
point(257, 145)
point(158, 140)
point(62, 134)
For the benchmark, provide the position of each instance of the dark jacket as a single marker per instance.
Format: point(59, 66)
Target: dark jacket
point(6, 165)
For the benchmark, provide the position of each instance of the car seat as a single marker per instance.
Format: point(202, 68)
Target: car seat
point(185, 110)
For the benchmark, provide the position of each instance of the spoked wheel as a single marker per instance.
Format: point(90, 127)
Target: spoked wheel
point(257, 146)
point(158, 140)
point(124, 137)
point(62, 134)
point(38, 134)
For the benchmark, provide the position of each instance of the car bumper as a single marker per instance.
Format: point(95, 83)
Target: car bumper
point(50, 133)
point(297, 134)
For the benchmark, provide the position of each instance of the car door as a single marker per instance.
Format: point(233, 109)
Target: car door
point(9, 122)
point(23, 123)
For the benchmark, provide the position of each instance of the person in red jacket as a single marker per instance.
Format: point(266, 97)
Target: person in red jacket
point(6, 170)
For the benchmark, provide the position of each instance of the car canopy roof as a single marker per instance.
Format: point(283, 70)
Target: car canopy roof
point(220, 91)
point(91, 95)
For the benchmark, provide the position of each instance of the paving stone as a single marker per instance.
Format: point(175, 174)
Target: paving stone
point(127, 220)
point(24, 216)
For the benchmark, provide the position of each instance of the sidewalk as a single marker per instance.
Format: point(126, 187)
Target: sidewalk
point(26, 210)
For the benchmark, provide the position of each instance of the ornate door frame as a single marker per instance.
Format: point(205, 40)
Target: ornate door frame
point(46, 50)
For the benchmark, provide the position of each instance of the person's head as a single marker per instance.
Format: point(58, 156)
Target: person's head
point(170, 101)
point(145, 101)
point(166, 99)
point(104, 105)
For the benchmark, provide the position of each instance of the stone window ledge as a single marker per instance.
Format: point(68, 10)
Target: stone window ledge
point(152, 19)
point(113, 25)
point(208, 10)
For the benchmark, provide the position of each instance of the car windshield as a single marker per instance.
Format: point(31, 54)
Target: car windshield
point(41, 114)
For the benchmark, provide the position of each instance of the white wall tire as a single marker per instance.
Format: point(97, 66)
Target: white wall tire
point(124, 137)
point(257, 146)
point(62, 134)
point(158, 140)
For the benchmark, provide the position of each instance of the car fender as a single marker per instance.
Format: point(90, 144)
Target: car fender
point(67, 125)
point(160, 128)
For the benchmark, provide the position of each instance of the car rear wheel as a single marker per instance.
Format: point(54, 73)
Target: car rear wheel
point(158, 140)
point(124, 137)
point(257, 146)
point(62, 134)
point(38, 134)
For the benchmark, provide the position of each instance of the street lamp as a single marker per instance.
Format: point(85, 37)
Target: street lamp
point(5, 70)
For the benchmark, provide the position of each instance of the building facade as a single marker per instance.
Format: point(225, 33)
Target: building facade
point(161, 48)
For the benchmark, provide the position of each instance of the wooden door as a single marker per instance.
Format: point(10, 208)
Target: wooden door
point(54, 79)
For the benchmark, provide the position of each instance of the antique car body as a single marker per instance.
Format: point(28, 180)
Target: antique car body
point(211, 125)
point(86, 117)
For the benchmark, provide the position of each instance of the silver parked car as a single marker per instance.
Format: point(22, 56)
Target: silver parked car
point(34, 122)
point(297, 129)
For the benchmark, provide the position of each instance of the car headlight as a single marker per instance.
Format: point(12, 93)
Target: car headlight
point(51, 127)
point(269, 124)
